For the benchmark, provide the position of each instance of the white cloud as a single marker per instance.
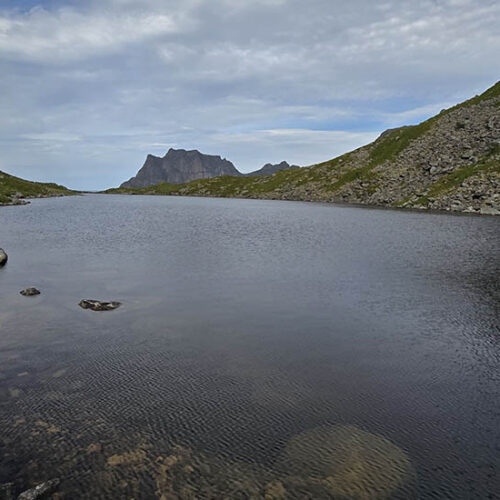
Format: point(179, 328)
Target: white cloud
point(69, 34)
point(96, 86)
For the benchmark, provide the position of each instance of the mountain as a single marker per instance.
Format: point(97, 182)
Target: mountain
point(269, 169)
point(179, 166)
point(13, 190)
point(448, 162)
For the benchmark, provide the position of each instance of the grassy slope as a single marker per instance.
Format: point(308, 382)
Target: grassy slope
point(11, 187)
point(330, 175)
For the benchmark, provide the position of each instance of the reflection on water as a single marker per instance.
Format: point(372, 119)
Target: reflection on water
point(263, 350)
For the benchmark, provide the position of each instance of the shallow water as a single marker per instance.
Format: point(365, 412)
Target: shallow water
point(284, 349)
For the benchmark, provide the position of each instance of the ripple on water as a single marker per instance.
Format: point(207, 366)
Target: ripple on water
point(248, 330)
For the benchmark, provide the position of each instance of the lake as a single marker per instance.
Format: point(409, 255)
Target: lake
point(264, 349)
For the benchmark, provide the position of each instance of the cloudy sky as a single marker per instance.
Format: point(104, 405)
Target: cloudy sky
point(89, 87)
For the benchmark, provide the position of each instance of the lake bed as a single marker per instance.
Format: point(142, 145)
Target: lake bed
point(285, 349)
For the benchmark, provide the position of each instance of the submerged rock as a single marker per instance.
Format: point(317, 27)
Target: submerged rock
point(7, 491)
point(97, 305)
point(28, 292)
point(3, 257)
point(349, 463)
point(40, 491)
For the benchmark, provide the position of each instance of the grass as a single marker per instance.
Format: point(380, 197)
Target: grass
point(13, 187)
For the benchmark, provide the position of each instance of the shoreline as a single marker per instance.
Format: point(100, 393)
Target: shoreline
point(366, 206)
point(322, 202)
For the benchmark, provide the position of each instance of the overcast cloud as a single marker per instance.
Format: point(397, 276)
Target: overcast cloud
point(88, 88)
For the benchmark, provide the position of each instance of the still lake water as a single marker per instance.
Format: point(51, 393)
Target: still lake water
point(271, 348)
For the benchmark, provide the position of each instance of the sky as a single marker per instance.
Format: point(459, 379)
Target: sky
point(88, 88)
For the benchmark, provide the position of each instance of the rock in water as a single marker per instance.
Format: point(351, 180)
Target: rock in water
point(7, 491)
point(3, 257)
point(97, 305)
point(40, 491)
point(28, 292)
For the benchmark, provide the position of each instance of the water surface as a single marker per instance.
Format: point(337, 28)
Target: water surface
point(271, 348)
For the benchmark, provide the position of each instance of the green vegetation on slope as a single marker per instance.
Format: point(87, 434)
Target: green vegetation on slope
point(392, 142)
point(459, 175)
point(13, 188)
point(323, 180)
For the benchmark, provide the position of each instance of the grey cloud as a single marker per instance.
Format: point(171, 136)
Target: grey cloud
point(86, 92)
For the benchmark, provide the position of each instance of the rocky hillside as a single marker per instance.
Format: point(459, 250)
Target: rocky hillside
point(179, 166)
point(449, 162)
point(269, 169)
point(14, 190)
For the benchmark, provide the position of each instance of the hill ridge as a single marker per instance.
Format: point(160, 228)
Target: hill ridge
point(449, 162)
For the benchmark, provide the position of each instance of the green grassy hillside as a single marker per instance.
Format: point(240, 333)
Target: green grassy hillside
point(13, 190)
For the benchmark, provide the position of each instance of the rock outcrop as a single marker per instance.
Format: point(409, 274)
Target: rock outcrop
point(29, 292)
point(179, 166)
point(97, 305)
point(3, 257)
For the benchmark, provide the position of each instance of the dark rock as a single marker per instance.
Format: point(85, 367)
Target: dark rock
point(28, 292)
point(97, 305)
point(3, 257)
point(7, 491)
point(40, 491)
point(179, 166)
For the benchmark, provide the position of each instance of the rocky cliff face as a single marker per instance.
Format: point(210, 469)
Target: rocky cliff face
point(269, 169)
point(179, 166)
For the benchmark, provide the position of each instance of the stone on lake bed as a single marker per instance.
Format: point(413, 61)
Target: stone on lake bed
point(97, 305)
point(40, 491)
point(7, 491)
point(3, 257)
point(28, 292)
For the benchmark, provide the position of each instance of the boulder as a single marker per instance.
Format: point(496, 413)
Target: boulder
point(3, 257)
point(489, 211)
point(97, 305)
point(40, 491)
point(28, 292)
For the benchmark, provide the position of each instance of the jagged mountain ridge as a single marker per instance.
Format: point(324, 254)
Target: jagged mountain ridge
point(270, 169)
point(448, 162)
point(179, 166)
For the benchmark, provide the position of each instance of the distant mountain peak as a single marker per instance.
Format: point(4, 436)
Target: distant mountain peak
point(179, 166)
point(269, 169)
